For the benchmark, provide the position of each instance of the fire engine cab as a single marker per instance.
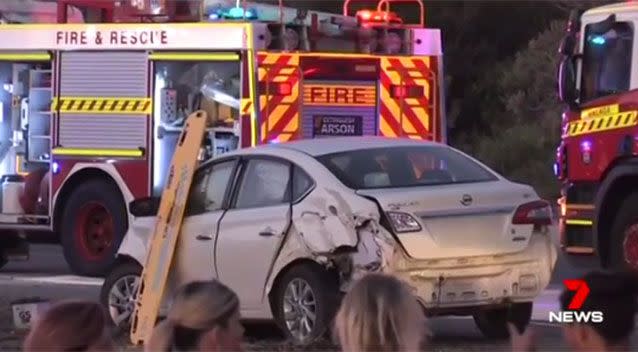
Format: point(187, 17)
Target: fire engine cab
point(91, 107)
point(597, 160)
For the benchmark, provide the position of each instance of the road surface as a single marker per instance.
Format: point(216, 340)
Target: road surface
point(47, 276)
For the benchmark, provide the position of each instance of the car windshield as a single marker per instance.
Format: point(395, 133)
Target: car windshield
point(404, 167)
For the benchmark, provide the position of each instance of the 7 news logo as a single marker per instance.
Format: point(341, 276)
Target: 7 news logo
point(573, 314)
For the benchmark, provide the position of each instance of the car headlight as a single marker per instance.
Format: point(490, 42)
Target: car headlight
point(402, 222)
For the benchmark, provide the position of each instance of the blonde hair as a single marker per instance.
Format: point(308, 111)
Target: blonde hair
point(379, 313)
point(71, 326)
point(198, 307)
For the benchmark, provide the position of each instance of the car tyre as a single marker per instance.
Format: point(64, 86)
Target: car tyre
point(493, 322)
point(125, 278)
point(304, 289)
point(94, 222)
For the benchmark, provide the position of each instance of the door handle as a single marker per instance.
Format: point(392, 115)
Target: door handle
point(204, 237)
point(267, 232)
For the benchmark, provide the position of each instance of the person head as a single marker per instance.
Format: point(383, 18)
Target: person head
point(203, 316)
point(613, 294)
point(71, 326)
point(379, 313)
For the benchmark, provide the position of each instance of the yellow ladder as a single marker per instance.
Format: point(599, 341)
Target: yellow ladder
point(167, 228)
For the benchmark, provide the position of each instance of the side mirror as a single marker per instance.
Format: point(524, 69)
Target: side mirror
point(145, 206)
point(567, 81)
point(573, 24)
point(567, 45)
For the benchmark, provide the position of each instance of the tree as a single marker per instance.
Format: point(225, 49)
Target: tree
point(525, 131)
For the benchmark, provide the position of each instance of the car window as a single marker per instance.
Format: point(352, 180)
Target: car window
point(265, 182)
point(404, 167)
point(209, 188)
point(301, 183)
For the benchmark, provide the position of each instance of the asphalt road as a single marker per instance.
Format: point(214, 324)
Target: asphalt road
point(46, 276)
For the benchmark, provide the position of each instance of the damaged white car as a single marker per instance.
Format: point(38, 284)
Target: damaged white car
point(290, 226)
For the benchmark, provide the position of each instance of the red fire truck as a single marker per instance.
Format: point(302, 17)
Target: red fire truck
point(91, 110)
point(597, 158)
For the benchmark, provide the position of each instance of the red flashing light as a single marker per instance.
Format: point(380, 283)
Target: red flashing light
point(364, 15)
point(275, 88)
point(398, 92)
point(368, 16)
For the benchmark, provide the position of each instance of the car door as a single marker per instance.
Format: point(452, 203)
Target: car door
point(206, 205)
point(253, 227)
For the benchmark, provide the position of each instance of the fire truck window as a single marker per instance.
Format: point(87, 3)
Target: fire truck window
point(183, 87)
point(606, 61)
point(209, 188)
point(265, 183)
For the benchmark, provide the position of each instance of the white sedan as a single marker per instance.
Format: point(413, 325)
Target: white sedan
point(290, 226)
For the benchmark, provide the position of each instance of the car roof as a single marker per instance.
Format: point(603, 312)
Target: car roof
point(323, 146)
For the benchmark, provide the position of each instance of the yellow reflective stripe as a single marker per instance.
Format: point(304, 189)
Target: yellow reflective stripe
point(97, 152)
point(602, 123)
point(179, 56)
point(100, 105)
point(246, 106)
point(252, 93)
point(25, 57)
point(579, 222)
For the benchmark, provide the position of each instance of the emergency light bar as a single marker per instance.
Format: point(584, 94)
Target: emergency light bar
point(233, 13)
point(367, 17)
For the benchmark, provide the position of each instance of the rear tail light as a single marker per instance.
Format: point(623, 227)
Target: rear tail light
point(275, 88)
point(398, 91)
point(534, 213)
point(403, 222)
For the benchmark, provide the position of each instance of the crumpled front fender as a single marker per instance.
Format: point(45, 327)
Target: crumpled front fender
point(336, 230)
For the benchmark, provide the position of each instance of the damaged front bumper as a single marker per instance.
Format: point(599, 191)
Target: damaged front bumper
point(459, 285)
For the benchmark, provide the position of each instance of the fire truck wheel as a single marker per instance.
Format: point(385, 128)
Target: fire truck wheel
point(118, 291)
point(306, 302)
point(493, 322)
point(93, 225)
point(623, 253)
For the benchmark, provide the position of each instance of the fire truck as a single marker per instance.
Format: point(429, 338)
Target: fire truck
point(92, 106)
point(597, 157)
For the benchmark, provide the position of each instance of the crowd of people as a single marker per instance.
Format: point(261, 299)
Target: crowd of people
point(378, 313)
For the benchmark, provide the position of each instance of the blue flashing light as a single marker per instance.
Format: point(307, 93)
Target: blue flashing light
point(556, 170)
point(55, 167)
point(233, 13)
point(598, 40)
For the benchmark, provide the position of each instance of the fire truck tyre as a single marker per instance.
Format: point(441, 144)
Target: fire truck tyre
point(93, 225)
point(307, 298)
point(493, 322)
point(118, 291)
point(623, 249)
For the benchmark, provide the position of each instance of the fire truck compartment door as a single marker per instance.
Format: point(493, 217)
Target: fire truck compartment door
point(102, 99)
point(339, 108)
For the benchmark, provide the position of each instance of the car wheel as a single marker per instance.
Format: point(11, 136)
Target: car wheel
point(94, 222)
point(493, 322)
point(307, 299)
point(623, 253)
point(118, 293)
